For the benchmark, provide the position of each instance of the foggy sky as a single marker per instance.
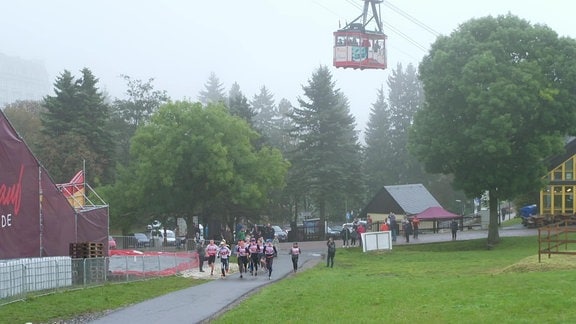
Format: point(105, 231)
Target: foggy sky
point(256, 42)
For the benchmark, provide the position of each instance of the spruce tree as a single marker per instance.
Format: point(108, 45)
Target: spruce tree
point(327, 152)
point(213, 91)
point(238, 105)
point(378, 145)
point(75, 130)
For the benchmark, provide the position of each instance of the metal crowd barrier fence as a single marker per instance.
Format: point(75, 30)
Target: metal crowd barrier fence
point(22, 277)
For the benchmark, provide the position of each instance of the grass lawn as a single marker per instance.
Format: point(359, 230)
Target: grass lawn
point(451, 282)
point(73, 303)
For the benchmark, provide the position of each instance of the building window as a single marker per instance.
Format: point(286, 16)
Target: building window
point(558, 173)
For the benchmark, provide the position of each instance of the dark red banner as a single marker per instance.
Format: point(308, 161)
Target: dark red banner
point(36, 219)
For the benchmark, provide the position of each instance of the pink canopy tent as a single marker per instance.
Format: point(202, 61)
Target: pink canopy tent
point(436, 213)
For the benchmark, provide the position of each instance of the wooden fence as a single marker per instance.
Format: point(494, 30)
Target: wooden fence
point(556, 238)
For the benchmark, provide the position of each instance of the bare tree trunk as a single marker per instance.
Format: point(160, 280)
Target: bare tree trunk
point(493, 235)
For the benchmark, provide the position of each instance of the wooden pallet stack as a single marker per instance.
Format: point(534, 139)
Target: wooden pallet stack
point(89, 264)
point(85, 250)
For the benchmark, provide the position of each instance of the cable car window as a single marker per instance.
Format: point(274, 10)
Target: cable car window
point(366, 43)
point(352, 41)
point(378, 44)
point(340, 41)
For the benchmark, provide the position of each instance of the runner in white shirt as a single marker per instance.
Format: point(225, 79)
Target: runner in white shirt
point(211, 251)
point(223, 253)
point(242, 254)
point(269, 253)
point(295, 252)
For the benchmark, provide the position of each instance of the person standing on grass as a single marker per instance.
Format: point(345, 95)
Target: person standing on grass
point(295, 252)
point(242, 254)
point(223, 254)
point(211, 251)
point(353, 236)
point(201, 255)
point(331, 252)
point(269, 253)
point(454, 228)
point(361, 230)
point(345, 234)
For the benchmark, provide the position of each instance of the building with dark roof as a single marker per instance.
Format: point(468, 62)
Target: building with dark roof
point(402, 200)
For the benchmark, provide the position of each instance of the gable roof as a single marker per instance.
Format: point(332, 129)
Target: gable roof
point(406, 199)
point(436, 213)
point(569, 151)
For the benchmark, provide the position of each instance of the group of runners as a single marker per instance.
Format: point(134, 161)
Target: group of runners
point(253, 254)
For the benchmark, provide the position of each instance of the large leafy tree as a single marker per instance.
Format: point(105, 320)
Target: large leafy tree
point(141, 101)
point(499, 100)
point(25, 117)
point(190, 159)
point(75, 130)
point(327, 151)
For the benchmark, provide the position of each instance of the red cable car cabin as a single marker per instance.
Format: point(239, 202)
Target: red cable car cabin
point(359, 49)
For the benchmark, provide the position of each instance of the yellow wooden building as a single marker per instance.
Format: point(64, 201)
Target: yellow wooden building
point(557, 198)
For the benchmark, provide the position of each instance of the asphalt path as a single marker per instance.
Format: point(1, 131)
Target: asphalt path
point(200, 304)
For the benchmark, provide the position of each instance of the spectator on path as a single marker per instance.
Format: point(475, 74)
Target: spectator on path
point(369, 224)
point(393, 226)
point(275, 241)
point(384, 226)
point(407, 227)
point(331, 252)
point(241, 235)
point(295, 252)
point(201, 255)
point(415, 226)
point(268, 232)
point(256, 232)
point(454, 228)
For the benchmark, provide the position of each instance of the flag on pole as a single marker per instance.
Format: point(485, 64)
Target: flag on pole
point(74, 190)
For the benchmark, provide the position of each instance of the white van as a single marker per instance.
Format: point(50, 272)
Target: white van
point(170, 236)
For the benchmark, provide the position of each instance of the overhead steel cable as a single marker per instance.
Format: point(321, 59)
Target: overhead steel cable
point(411, 18)
point(395, 30)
